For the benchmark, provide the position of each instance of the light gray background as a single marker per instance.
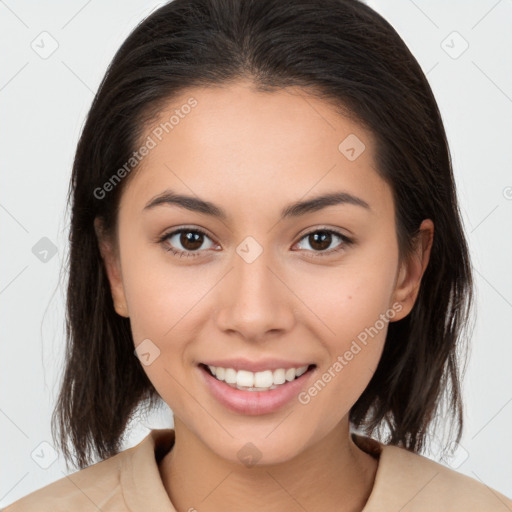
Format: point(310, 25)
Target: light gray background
point(44, 103)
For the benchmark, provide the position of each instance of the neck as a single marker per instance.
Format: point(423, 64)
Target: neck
point(333, 474)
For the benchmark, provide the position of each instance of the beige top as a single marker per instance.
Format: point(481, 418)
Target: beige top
point(130, 481)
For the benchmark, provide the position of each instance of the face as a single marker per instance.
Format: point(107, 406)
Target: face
point(316, 286)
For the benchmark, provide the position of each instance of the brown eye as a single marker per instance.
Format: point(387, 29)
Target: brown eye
point(185, 242)
point(191, 240)
point(321, 239)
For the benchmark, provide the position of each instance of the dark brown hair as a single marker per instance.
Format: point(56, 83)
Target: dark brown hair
point(340, 51)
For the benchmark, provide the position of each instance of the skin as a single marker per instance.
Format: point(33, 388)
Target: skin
point(252, 154)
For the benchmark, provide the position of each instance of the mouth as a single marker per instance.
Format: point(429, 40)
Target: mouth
point(257, 393)
point(261, 381)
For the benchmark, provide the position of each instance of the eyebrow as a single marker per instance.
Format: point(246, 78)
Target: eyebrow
point(168, 197)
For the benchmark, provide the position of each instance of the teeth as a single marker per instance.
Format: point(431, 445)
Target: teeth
point(258, 381)
point(229, 377)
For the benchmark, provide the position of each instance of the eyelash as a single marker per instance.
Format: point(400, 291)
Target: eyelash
point(192, 254)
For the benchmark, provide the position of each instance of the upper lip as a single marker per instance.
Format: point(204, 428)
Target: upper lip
point(255, 366)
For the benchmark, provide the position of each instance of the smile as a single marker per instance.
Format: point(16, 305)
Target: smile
point(256, 393)
point(245, 380)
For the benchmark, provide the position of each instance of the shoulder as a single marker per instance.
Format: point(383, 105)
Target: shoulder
point(127, 481)
point(97, 487)
point(411, 482)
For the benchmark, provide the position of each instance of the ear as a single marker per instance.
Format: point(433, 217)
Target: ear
point(110, 256)
point(407, 285)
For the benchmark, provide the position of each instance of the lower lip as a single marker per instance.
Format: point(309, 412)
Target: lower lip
point(255, 402)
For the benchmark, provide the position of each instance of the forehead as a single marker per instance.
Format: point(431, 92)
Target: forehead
point(239, 145)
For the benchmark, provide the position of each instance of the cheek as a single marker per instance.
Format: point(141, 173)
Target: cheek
point(348, 299)
point(161, 294)
point(167, 307)
point(359, 324)
point(360, 313)
point(353, 304)
point(163, 309)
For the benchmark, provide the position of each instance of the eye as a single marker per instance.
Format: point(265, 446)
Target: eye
point(321, 239)
point(190, 240)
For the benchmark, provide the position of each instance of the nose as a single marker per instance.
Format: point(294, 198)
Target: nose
point(255, 299)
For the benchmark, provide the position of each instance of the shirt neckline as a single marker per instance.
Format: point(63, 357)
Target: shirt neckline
point(379, 452)
point(145, 489)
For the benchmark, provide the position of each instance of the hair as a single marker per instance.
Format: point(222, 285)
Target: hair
point(342, 52)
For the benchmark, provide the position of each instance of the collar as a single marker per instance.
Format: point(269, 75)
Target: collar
point(139, 484)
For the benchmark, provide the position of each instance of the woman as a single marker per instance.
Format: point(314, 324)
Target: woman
point(264, 213)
